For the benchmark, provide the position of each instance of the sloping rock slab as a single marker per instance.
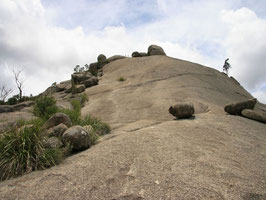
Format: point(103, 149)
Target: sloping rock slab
point(254, 115)
point(23, 105)
point(236, 108)
point(6, 108)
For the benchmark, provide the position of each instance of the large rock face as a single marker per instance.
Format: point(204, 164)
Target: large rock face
point(236, 108)
point(151, 156)
point(77, 137)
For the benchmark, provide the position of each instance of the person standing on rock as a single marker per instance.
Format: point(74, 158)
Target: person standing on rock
point(226, 66)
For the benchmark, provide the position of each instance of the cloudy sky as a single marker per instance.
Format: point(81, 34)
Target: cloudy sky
point(47, 38)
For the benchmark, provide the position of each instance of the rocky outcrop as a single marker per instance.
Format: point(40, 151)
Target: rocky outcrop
point(254, 115)
point(80, 76)
point(90, 82)
point(77, 137)
point(6, 108)
point(57, 119)
point(155, 50)
point(115, 57)
point(78, 88)
point(182, 110)
point(139, 54)
point(22, 105)
point(236, 108)
point(57, 130)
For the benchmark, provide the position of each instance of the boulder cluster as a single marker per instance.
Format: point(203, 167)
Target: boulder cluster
point(17, 107)
point(245, 109)
point(59, 132)
point(153, 50)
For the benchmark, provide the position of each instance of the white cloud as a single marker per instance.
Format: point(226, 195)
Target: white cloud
point(192, 30)
point(245, 45)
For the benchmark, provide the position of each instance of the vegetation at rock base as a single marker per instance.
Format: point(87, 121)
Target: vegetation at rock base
point(22, 151)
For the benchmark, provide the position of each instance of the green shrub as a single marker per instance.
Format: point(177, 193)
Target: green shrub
point(93, 137)
point(45, 107)
point(84, 99)
point(22, 152)
point(100, 127)
point(74, 113)
point(121, 79)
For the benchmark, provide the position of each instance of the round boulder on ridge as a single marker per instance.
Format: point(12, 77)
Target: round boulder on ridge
point(155, 50)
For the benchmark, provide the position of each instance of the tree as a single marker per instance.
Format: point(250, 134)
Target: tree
point(19, 81)
point(226, 66)
point(4, 92)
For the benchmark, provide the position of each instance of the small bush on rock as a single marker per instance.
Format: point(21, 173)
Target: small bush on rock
point(100, 127)
point(45, 107)
point(121, 79)
point(22, 151)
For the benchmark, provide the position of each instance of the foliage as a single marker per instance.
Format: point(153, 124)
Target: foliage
point(45, 107)
point(121, 79)
point(74, 113)
point(100, 127)
point(22, 151)
point(93, 137)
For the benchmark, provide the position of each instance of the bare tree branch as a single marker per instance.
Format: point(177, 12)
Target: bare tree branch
point(19, 81)
point(4, 92)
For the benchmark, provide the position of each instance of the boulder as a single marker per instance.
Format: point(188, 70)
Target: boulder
point(52, 142)
point(236, 108)
point(90, 82)
point(22, 105)
point(79, 77)
point(139, 54)
point(77, 137)
point(57, 119)
point(93, 68)
point(6, 108)
point(68, 89)
point(182, 110)
point(116, 57)
point(57, 130)
point(101, 58)
point(78, 89)
point(252, 114)
point(60, 87)
point(155, 50)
